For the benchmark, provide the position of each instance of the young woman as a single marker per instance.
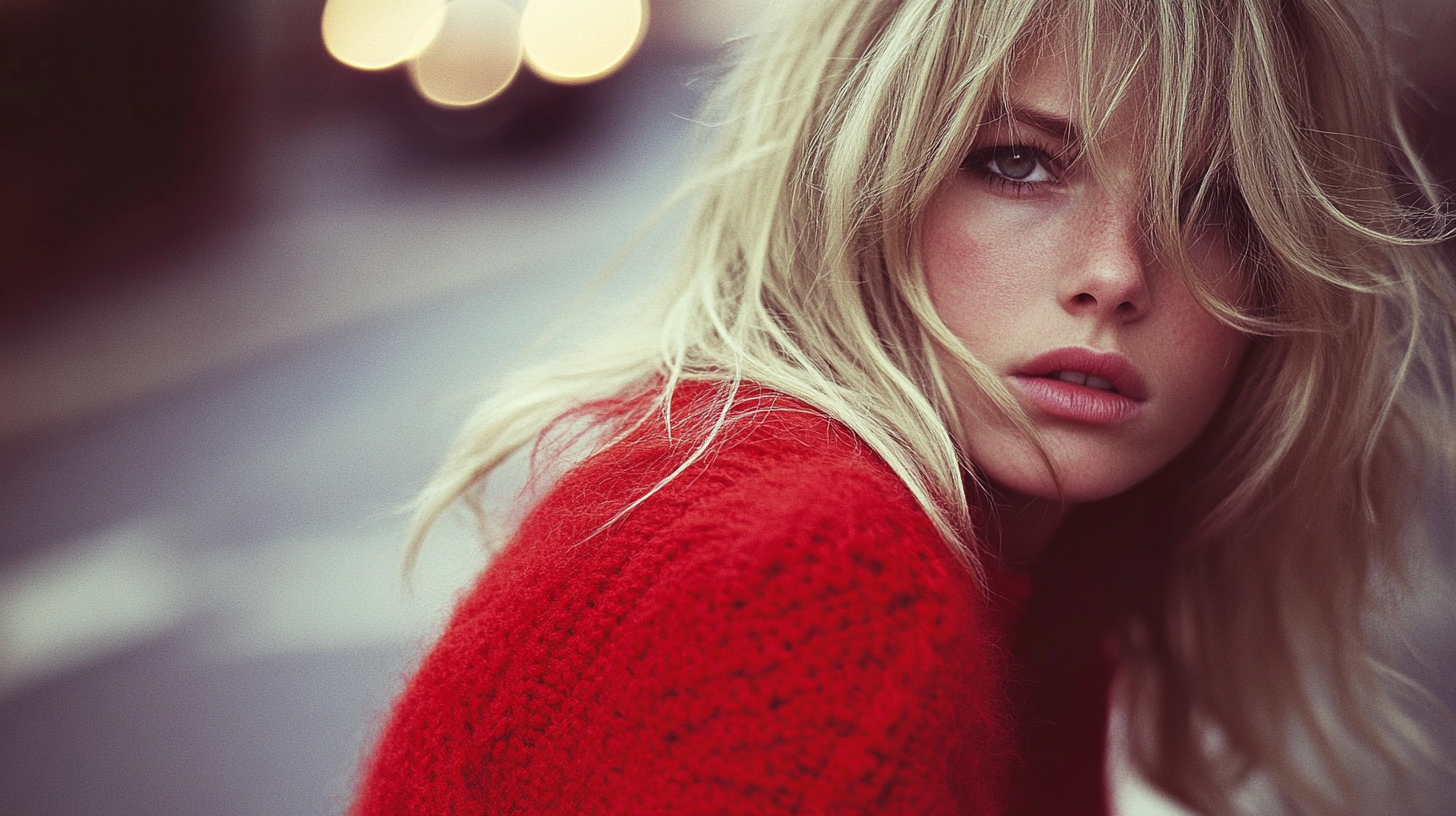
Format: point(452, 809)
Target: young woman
point(1017, 343)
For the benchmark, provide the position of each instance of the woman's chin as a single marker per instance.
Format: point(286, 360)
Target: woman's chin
point(1024, 474)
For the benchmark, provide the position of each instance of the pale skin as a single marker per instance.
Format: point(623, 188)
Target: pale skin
point(1031, 258)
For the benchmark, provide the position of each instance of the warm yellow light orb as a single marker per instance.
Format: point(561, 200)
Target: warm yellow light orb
point(575, 41)
point(377, 34)
point(475, 55)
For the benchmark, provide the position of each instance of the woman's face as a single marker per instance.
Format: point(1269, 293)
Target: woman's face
point(1042, 269)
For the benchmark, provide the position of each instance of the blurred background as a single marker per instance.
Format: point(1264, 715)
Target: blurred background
point(253, 273)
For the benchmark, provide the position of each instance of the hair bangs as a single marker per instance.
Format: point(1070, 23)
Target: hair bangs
point(1163, 70)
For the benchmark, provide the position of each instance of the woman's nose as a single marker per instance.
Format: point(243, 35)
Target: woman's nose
point(1109, 278)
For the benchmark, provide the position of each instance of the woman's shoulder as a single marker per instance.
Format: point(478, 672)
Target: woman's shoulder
point(785, 503)
point(777, 620)
point(778, 474)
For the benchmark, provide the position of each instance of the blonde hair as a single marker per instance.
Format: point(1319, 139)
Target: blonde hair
point(802, 273)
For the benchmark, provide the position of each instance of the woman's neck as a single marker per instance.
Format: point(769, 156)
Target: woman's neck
point(1026, 524)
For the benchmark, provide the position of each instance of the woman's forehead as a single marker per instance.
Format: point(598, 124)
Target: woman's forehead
point(1045, 92)
point(1102, 92)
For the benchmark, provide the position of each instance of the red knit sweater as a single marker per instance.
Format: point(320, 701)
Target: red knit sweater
point(778, 630)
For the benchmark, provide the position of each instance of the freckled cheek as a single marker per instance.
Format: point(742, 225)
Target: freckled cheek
point(1201, 358)
point(1206, 346)
point(973, 274)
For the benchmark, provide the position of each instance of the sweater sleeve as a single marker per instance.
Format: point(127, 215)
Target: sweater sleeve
point(801, 648)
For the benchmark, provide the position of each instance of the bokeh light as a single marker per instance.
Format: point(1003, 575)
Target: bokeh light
point(475, 55)
point(378, 34)
point(461, 53)
point(576, 41)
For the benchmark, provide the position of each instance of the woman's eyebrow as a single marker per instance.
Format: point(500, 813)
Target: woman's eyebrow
point(1045, 121)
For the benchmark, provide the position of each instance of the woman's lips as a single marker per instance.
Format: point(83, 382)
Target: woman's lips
point(1081, 385)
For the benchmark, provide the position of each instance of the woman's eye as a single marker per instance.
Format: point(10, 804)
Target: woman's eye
point(1013, 164)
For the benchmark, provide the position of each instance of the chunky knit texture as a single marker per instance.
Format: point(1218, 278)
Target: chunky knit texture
point(779, 630)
